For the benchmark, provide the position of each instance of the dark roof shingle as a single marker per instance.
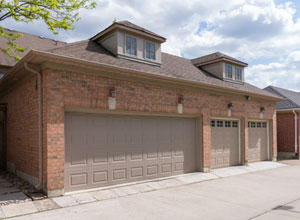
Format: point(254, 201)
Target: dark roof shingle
point(28, 42)
point(292, 98)
point(214, 57)
point(172, 66)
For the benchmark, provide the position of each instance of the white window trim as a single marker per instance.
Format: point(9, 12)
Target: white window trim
point(136, 46)
point(242, 73)
point(145, 50)
point(232, 71)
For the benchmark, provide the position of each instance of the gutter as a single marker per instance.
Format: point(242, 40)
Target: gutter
point(135, 73)
point(296, 132)
point(39, 186)
point(150, 75)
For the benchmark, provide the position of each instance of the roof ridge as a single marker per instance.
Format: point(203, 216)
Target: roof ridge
point(27, 33)
point(68, 44)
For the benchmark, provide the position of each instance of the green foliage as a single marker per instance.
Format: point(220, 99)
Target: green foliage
point(56, 14)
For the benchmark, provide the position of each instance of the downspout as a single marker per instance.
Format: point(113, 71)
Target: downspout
point(39, 186)
point(296, 132)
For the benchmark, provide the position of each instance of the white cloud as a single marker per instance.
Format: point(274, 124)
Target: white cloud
point(285, 74)
point(259, 32)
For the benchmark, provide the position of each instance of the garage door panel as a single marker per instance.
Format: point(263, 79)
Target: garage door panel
point(78, 158)
point(224, 143)
point(258, 143)
point(150, 150)
point(100, 158)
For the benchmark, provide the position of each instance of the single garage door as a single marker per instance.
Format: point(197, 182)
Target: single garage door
point(105, 150)
point(224, 143)
point(258, 141)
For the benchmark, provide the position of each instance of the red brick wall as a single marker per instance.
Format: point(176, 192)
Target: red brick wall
point(22, 127)
point(286, 132)
point(69, 89)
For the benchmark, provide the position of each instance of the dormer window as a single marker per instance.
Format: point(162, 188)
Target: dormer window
point(238, 74)
point(228, 73)
point(130, 45)
point(150, 50)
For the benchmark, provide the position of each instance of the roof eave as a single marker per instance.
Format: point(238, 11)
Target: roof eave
point(288, 110)
point(136, 73)
point(119, 26)
point(222, 59)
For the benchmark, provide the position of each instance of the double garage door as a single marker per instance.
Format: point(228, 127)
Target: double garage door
point(106, 150)
point(225, 142)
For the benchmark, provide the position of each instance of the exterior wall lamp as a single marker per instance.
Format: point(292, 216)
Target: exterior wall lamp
point(262, 110)
point(230, 107)
point(112, 99)
point(180, 104)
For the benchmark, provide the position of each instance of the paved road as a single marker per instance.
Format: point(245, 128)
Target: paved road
point(272, 194)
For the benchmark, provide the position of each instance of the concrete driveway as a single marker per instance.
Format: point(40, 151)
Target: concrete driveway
point(270, 194)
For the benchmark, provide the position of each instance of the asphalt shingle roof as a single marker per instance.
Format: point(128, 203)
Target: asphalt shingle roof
point(172, 66)
point(28, 42)
point(292, 98)
point(212, 57)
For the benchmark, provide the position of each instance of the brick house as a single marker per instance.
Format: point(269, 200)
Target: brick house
point(288, 113)
point(115, 109)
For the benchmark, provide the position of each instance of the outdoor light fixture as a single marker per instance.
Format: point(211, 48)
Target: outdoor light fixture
point(112, 99)
point(180, 104)
point(230, 107)
point(180, 99)
point(248, 97)
point(262, 110)
point(113, 92)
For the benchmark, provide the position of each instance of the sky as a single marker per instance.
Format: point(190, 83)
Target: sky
point(263, 33)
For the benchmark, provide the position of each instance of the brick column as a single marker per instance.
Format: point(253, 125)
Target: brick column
point(245, 140)
point(298, 136)
point(206, 141)
point(273, 134)
point(53, 135)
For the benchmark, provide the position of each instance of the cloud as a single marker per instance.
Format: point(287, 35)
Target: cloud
point(285, 74)
point(264, 33)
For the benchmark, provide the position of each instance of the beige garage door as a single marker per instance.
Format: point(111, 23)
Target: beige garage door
point(106, 150)
point(224, 143)
point(258, 142)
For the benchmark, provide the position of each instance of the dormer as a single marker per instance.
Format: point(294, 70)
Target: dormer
point(222, 66)
point(129, 41)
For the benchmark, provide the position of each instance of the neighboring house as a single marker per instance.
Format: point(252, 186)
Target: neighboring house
point(115, 109)
point(288, 113)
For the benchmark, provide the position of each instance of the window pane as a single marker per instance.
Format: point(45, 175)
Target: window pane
point(238, 74)
point(128, 50)
point(213, 123)
point(227, 124)
point(152, 47)
point(219, 123)
point(152, 56)
point(130, 45)
point(264, 124)
point(234, 124)
point(128, 41)
point(252, 124)
point(133, 42)
point(258, 124)
point(147, 46)
point(228, 71)
point(147, 54)
point(133, 51)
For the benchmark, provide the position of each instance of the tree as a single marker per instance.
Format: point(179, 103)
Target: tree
point(56, 14)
